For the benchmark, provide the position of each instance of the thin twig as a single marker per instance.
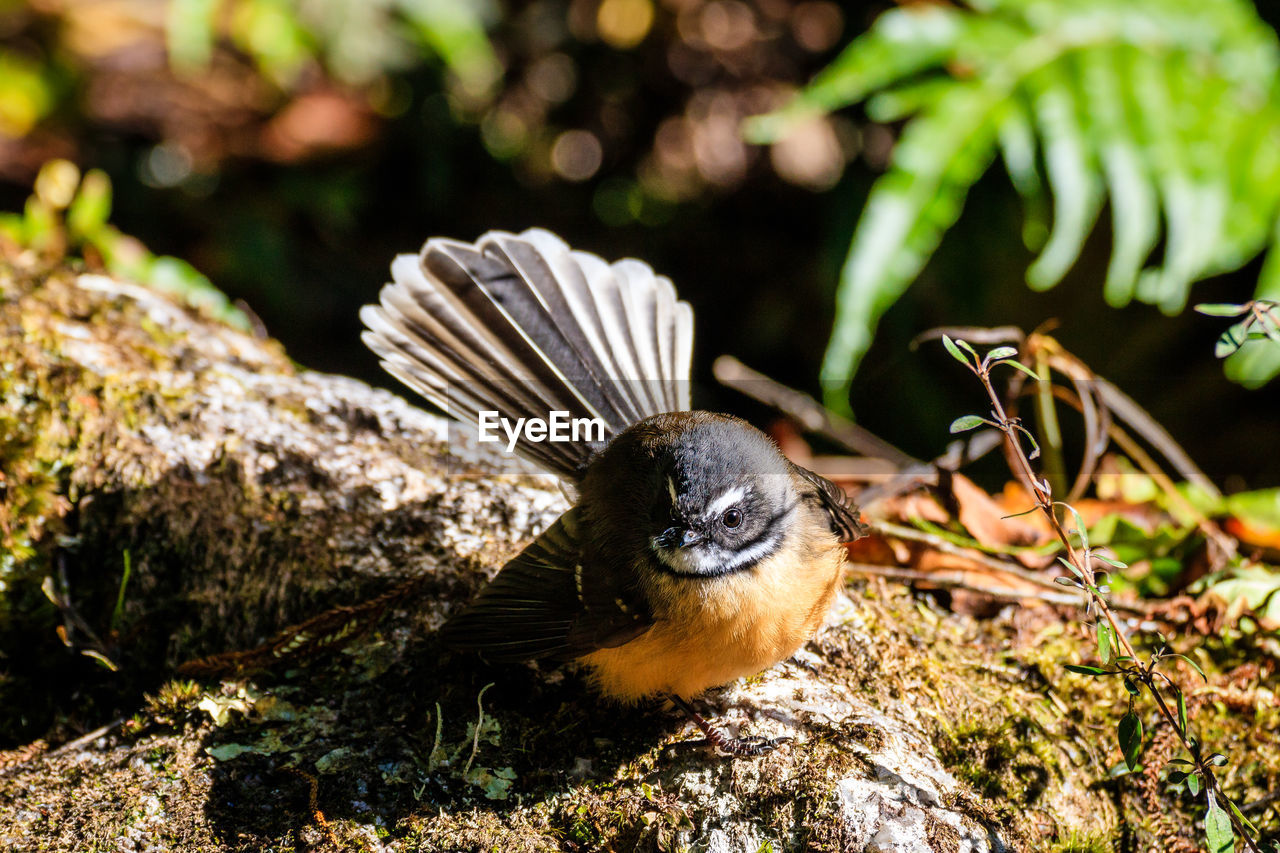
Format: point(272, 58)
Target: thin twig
point(957, 455)
point(955, 580)
point(911, 534)
point(938, 543)
point(87, 738)
point(975, 334)
point(1261, 803)
point(807, 412)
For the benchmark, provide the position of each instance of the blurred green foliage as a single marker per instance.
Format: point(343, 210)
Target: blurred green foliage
point(356, 40)
point(1168, 108)
point(27, 93)
point(68, 215)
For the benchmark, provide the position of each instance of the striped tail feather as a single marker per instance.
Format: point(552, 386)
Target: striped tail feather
point(523, 325)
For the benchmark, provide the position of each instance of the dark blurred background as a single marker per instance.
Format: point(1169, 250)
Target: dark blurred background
point(290, 150)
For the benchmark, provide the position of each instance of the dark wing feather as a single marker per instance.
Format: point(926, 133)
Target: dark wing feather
point(844, 515)
point(535, 606)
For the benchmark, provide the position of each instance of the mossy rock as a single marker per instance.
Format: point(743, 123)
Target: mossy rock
point(249, 495)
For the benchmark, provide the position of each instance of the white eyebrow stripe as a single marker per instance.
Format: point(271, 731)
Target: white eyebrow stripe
point(726, 499)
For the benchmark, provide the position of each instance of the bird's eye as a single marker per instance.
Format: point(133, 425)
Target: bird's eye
point(731, 518)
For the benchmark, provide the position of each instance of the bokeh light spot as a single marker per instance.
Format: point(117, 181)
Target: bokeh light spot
point(576, 155)
point(504, 133)
point(816, 26)
point(553, 78)
point(624, 23)
point(166, 165)
point(728, 25)
point(809, 155)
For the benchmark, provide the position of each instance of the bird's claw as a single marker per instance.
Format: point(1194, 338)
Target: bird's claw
point(747, 747)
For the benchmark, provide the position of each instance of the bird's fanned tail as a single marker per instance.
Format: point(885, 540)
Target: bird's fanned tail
point(524, 326)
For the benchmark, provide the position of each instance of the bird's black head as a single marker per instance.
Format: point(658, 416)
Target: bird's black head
point(702, 495)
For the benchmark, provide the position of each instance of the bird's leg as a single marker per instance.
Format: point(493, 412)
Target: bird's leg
point(725, 745)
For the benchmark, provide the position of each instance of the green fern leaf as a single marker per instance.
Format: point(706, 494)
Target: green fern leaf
point(909, 209)
point(1135, 206)
point(1165, 108)
point(1018, 150)
point(1077, 189)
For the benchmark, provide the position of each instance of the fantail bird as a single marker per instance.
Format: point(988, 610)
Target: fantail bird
point(696, 553)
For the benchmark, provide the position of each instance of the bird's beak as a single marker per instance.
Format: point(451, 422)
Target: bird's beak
point(676, 537)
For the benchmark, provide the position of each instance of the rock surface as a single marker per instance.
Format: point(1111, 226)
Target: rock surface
point(183, 491)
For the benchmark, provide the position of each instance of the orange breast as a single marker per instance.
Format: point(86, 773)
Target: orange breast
point(710, 631)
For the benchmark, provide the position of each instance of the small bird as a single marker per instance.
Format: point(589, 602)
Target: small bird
point(696, 553)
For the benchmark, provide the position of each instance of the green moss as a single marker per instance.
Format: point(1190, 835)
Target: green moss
point(1083, 841)
point(1006, 762)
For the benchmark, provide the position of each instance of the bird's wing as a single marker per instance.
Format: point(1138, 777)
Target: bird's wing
point(524, 326)
point(545, 604)
point(843, 515)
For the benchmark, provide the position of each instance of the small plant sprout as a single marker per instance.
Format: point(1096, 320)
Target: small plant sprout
point(1088, 568)
point(1259, 319)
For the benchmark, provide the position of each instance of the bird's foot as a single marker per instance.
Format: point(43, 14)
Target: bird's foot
point(723, 744)
point(745, 747)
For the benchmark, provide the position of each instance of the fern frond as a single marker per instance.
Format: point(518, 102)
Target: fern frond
point(1167, 109)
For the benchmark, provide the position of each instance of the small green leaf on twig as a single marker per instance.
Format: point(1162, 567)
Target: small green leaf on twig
point(1084, 669)
point(1001, 353)
point(1192, 663)
point(1182, 710)
point(1217, 829)
point(1230, 340)
point(1115, 771)
point(1130, 734)
point(1105, 643)
point(961, 351)
point(1193, 784)
point(1035, 448)
point(965, 423)
point(1221, 309)
point(1248, 824)
point(1080, 529)
point(1020, 366)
